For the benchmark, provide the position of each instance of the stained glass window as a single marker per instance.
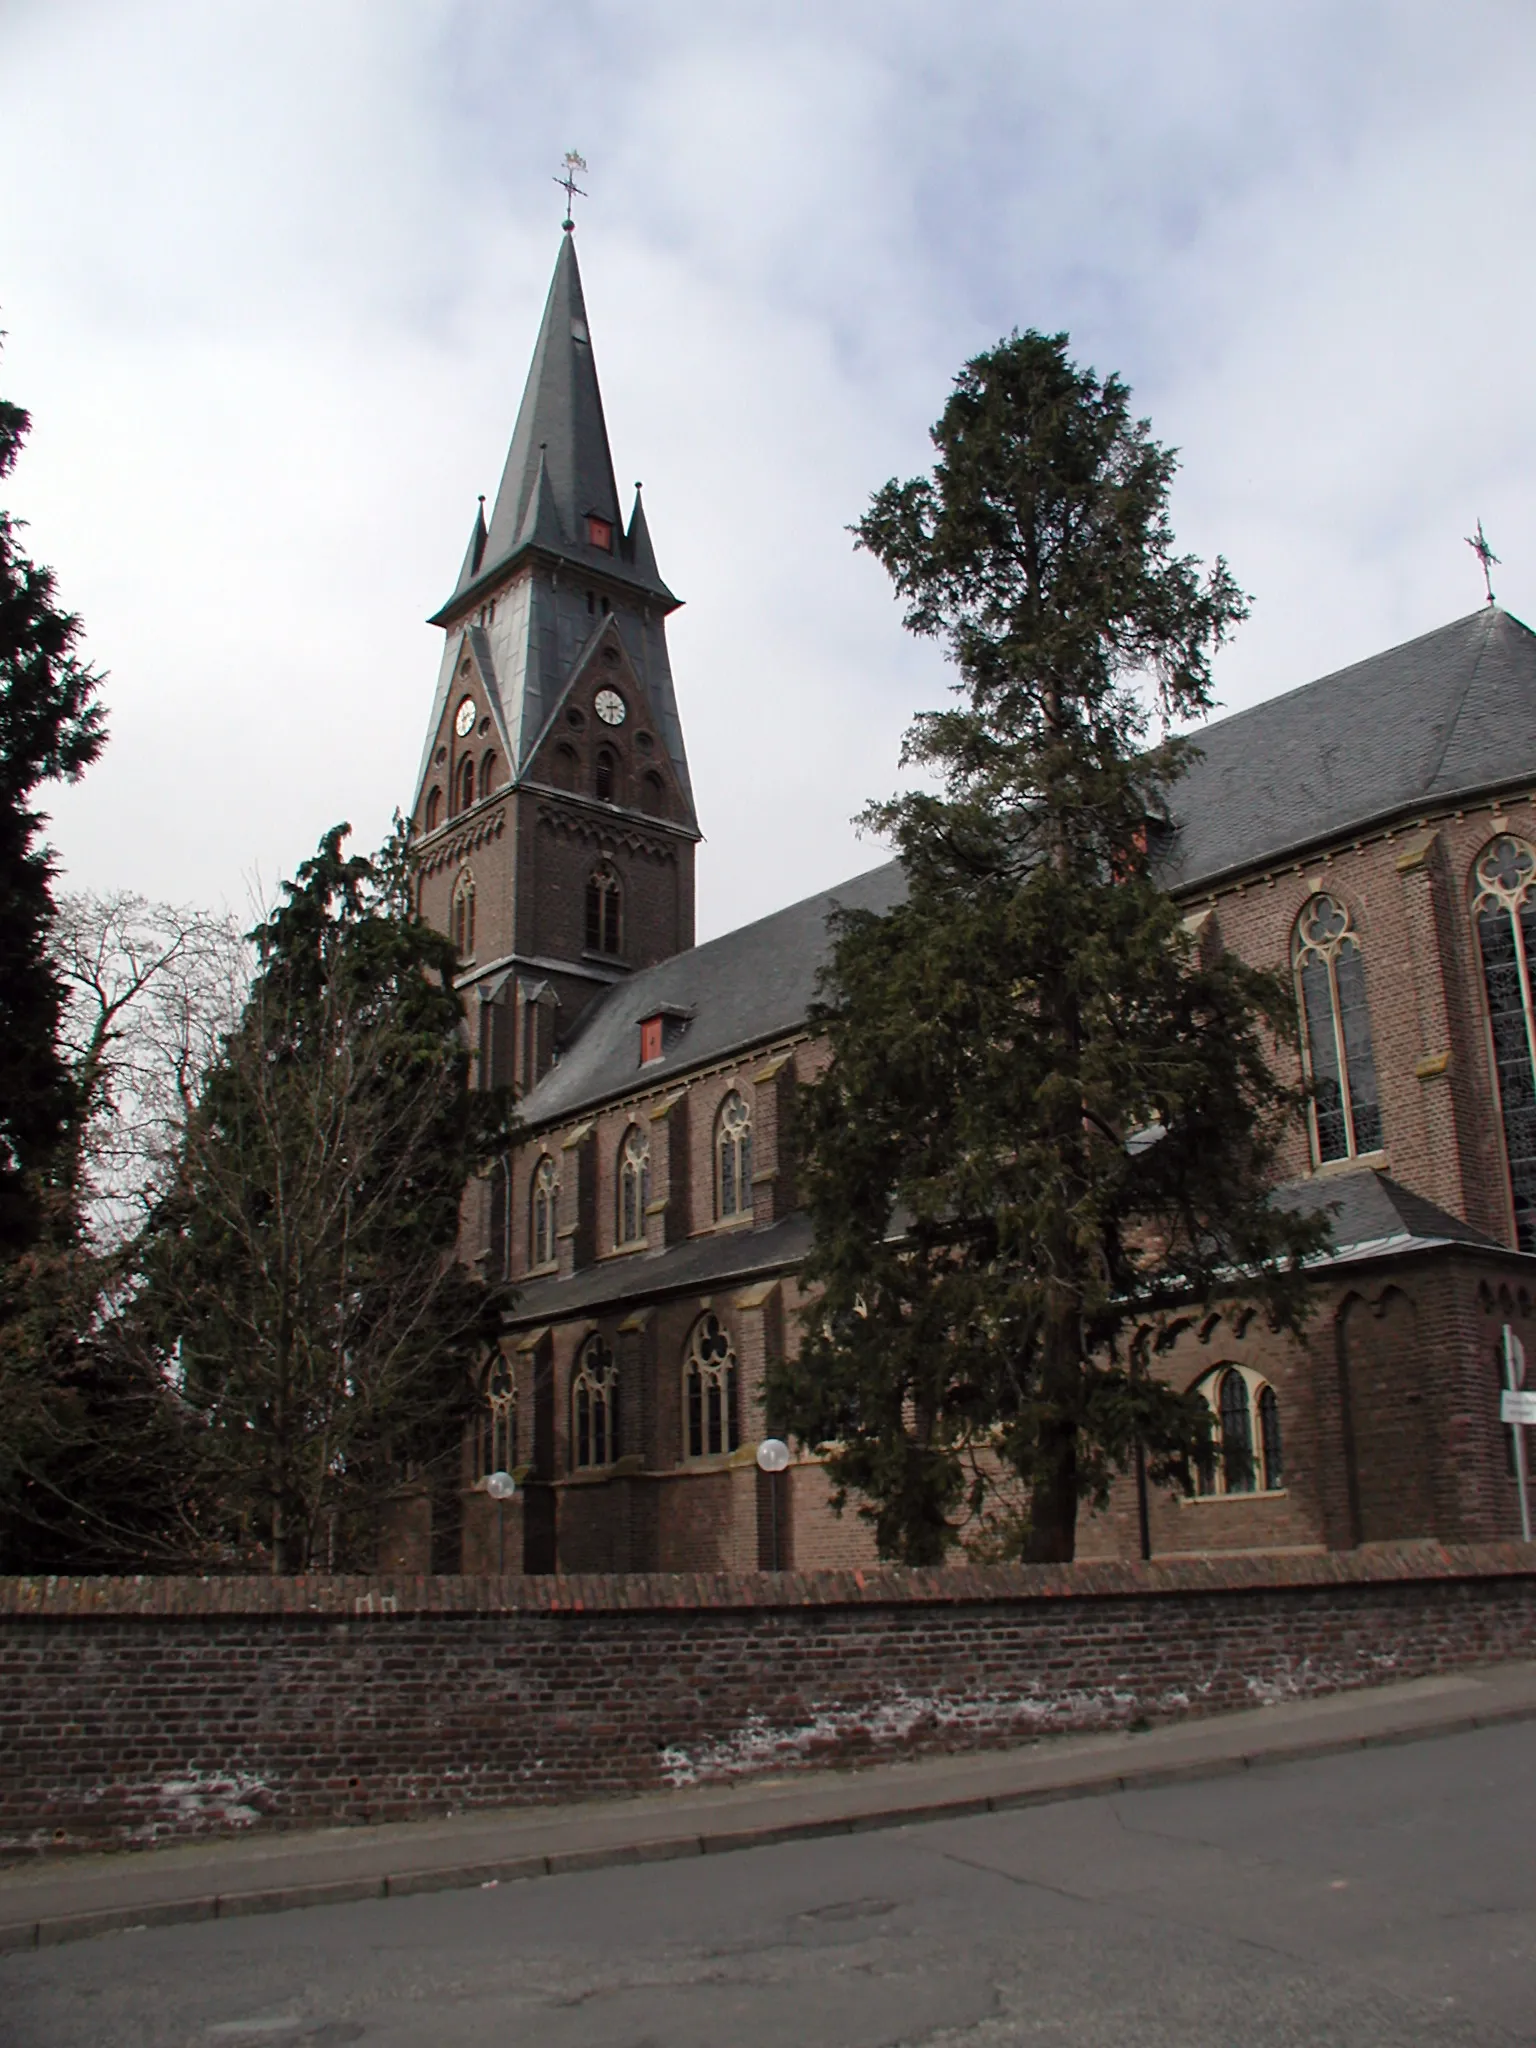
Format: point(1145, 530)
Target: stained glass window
point(1504, 911)
point(1336, 1032)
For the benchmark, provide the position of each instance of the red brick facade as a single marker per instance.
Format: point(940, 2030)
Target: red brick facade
point(1387, 1410)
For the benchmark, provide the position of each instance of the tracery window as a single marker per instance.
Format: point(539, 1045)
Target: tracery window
point(496, 1430)
point(1504, 910)
point(1247, 1455)
point(711, 1417)
point(594, 1406)
point(1336, 1032)
point(733, 1157)
point(464, 914)
point(634, 1185)
point(603, 911)
point(543, 1202)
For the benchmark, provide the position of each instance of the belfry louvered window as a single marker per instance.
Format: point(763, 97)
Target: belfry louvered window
point(1336, 1032)
point(1504, 909)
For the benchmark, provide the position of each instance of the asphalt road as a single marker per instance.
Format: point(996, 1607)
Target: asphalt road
point(1386, 1896)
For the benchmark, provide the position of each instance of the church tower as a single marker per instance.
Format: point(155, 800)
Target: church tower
point(554, 825)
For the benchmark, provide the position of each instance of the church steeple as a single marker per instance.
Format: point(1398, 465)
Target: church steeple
point(554, 817)
point(559, 463)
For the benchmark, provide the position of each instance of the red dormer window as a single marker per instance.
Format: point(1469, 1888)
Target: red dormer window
point(600, 532)
point(650, 1040)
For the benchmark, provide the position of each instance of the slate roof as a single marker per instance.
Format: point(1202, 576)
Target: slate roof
point(1440, 717)
point(1374, 1216)
point(558, 467)
point(1443, 716)
point(752, 985)
point(727, 1257)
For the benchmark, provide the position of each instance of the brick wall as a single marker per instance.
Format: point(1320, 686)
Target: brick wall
point(133, 1710)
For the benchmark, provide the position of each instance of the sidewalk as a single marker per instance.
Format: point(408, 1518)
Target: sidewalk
point(50, 1902)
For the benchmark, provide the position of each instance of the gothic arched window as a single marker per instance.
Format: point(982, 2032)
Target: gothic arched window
point(1246, 1452)
point(487, 774)
point(466, 783)
point(594, 1406)
point(634, 1185)
point(733, 1158)
point(496, 1430)
point(711, 1417)
point(605, 774)
point(543, 1202)
point(655, 800)
point(464, 914)
point(1336, 1032)
point(498, 1246)
point(434, 808)
point(565, 767)
point(603, 911)
point(1504, 909)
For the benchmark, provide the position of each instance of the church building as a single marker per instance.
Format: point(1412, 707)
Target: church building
point(1373, 833)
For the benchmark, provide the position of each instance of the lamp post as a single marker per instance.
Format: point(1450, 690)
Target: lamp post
point(773, 1457)
point(502, 1487)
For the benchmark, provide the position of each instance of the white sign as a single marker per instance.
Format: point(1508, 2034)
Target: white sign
point(1518, 1407)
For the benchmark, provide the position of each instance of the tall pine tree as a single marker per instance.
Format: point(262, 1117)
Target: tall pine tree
point(1051, 1118)
point(50, 729)
point(300, 1279)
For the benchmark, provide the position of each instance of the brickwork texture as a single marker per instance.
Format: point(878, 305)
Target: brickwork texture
point(140, 1710)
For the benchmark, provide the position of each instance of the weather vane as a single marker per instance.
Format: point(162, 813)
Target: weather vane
point(574, 162)
point(1485, 555)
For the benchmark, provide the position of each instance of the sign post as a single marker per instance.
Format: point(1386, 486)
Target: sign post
point(773, 1457)
point(502, 1487)
point(1517, 1408)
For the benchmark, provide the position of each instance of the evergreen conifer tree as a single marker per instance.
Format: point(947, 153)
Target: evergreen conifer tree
point(1051, 1117)
point(50, 729)
point(300, 1279)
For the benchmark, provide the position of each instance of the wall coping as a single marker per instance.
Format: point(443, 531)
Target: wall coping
point(388, 1597)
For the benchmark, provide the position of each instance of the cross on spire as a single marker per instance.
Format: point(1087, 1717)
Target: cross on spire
point(574, 162)
point(1479, 546)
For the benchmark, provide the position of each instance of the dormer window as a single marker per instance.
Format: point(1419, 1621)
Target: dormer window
point(650, 1040)
point(600, 533)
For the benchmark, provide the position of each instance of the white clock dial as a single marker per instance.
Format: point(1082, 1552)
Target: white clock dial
point(609, 706)
point(464, 724)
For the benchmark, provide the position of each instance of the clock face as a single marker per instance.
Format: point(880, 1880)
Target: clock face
point(464, 724)
point(609, 706)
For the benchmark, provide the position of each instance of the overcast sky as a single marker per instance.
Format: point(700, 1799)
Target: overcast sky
point(271, 274)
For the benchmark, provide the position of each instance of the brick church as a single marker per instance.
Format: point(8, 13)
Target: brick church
point(1374, 832)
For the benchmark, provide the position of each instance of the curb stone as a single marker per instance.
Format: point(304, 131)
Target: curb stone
point(50, 1931)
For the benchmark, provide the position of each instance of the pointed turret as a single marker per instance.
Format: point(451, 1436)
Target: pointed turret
point(474, 554)
point(557, 491)
point(637, 544)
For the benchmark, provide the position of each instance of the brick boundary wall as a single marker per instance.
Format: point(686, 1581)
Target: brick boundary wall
point(141, 1710)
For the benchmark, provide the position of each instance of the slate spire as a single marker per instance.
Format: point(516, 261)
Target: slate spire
point(557, 491)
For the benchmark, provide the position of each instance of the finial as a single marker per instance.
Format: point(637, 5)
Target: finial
point(1485, 555)
point(574, 162)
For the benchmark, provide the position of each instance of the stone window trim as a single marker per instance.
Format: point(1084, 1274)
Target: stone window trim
point(496, 1444)
point(1338, 1057)
point(1247, 1454)
point(632, 1188)
point(595, 1418)
point(1504, 924)
point(732, 1153)
point(711, 1393)
point(543, 1214)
